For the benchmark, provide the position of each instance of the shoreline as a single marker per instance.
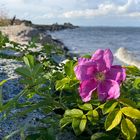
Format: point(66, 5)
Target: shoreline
point(23, 34)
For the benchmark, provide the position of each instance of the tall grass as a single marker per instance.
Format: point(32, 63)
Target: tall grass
point(4, 20)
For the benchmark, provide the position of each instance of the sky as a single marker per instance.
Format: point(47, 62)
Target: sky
point(78, 12)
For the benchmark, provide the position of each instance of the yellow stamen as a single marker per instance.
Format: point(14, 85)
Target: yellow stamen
point(100, 76)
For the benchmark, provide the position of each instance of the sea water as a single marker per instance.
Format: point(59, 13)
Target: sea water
point(124, 42)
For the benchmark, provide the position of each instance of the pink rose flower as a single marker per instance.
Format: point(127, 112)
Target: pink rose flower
point(98, 74)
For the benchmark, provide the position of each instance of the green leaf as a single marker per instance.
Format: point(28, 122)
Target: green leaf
point(102, 136)
point(85, 106)
point(127, 102)
point(58, 75)
point(136, 83)
point(65, 121)
point(128, 129)
point(113, 119)
point(75, 125)
point(37, 69)
point(83, 122)
point(29, 60)
point(73, 113)
point(93, 116)
point(48, 49)
point(131, 112)
point(1, 98)
point(87, 56)
point(11, 134)
point(23, 71)
point(22, 135)
point(50, 135)
point(2, 82)
point(133, 70)
point(109, 106)
point(95, 102)
point(12, 102)
point(32, 108)
point(69, 69)
point(61, 84)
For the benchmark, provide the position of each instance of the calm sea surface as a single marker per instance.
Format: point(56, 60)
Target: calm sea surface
point(85, 40)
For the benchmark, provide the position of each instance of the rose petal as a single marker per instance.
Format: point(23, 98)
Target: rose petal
point(109, 89)
point(85, 69)
point(86, 88)
point(98, 58)
point(98, 54)
point(103, 59)
point(108, 58)
point(116, 73)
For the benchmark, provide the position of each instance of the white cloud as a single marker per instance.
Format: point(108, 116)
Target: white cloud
point(134, 14)
point(125, 7)
point(102, 9)
point(130, 8)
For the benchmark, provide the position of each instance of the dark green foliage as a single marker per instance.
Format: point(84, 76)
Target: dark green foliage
point(58, 100)
point(3, 40)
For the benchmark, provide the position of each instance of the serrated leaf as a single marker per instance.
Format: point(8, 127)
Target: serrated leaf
point(93, 116)
point(113, 119)
point(128, 129)
point(133, 70)
point(32, 108)
point(131, 112)
point(136, 83)
point(58, 75)
point(85, 106)
point(109, 106)
point(69, 69)
point(36, 69)
point(95, 102)
point(127, 102)
point(83, 122)
point(29, 60)
point(73, 113)
point(23, 71)
point(75, 125)
point(61, 84)
point(65, 121)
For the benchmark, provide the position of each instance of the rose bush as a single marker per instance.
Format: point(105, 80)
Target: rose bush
point(91, 98)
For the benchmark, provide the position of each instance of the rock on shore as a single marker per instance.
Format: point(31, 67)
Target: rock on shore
point(52, 27)
point(55, 27)
point(22, 34)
